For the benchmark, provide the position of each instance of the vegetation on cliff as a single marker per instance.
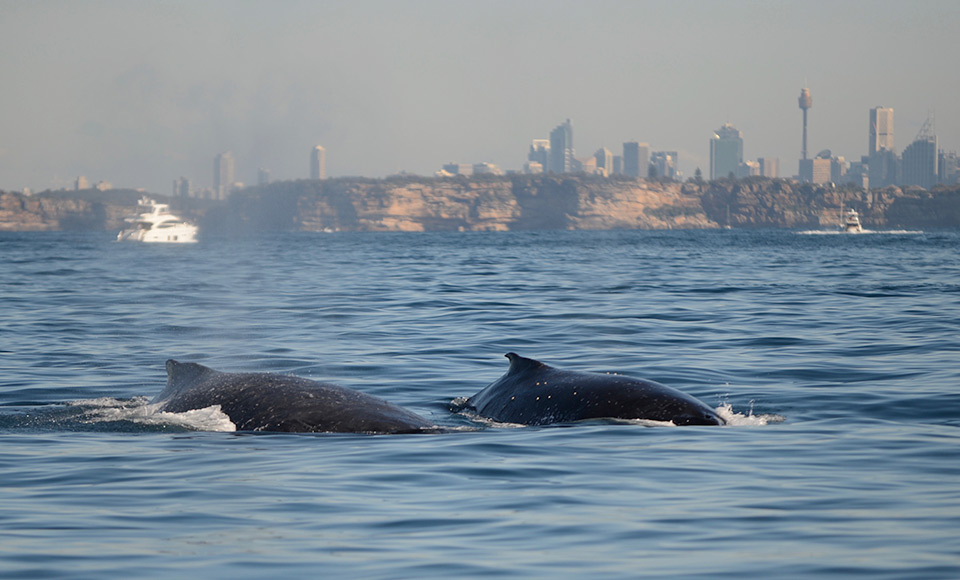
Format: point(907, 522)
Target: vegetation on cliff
point(757, 202)
point(66, 210)
point(478, 203)
point(939, 208)
point(499, 203)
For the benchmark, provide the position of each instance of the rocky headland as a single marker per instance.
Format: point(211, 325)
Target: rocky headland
point(500, 203)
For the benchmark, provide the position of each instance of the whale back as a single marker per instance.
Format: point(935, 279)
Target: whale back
point(533, 393)
point(494, 401)
point(274, 402)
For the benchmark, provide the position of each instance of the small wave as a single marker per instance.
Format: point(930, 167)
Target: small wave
point(459, 404)
point(643, 422)
point(725, 411)
point(735, 419)
point(490, 423)
point(110, 402)
point(139, 410)
point(841, 233)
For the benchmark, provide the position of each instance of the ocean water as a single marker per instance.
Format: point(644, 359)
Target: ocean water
point(835, 358)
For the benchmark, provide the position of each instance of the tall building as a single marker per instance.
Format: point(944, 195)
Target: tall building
point(881, 130)
point(81, 183)
point(636, 159)
point(919, 162)
point(806, 101)
point(726, 152)
point(948, 167)
point(817, 170)
point(604, 161)
point(561, 155)
point(666, 163)
point(181, 188)
point(539, 152)
point(858, 173)
point(318, 163)
point(585, 165)
point(883, 163)
point(749, 169)
point(838, 169)
point(263, 176)
point(883, 167)
point(824, 168)
point(223, 175)
point(769, 166)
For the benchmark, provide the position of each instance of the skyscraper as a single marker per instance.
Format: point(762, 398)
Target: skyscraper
point(604, 161)
point(919, 165)
point(883, 162)
point(223, 175)
point(883, 168)
point(666, 164)
point(881, 129)
point(181, 188)
point(806, 101)
point(318, 163)
point(561, 155)
point(726, 152)
point(769, 166)
point(636, 159)
point(817, 170)
point(948, 167)
point(539, 152)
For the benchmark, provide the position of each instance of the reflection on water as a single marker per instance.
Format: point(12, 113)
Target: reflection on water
point(832, 357)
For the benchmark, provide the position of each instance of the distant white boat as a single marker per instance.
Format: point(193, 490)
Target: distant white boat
point(851, 223)
point(155, 223)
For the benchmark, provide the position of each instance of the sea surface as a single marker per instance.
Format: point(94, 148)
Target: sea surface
point(835, 358)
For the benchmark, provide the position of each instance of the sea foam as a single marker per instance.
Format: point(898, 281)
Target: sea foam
point(139, 410)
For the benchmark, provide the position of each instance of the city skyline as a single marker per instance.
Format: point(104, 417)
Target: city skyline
point(172, 85)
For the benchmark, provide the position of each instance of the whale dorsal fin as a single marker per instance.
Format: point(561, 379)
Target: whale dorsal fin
point(519, 364)
point(180, 376)
point(184, 373)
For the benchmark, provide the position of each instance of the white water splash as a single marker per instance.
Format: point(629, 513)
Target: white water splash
point(735, 419)
point(139, 410)
point(843, 233)
point(725, 411)
point(642, 422)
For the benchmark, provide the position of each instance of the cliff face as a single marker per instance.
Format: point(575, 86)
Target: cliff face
point(766, 203)
point(500, 203)
point(479, 204)
point(410, 206)
point(66, 211)
point(939, 209)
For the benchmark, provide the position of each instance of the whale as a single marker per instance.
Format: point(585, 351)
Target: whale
point(534, 393)
point(282, 403)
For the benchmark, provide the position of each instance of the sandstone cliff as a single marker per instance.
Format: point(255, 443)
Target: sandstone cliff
point(775, 203)
point(460, 204)
point(64, 211)
point(483, 203)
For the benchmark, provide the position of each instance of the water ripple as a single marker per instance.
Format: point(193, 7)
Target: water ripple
point(833, 357)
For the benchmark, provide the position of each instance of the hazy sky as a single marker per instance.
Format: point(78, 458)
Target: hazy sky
point(139, 93)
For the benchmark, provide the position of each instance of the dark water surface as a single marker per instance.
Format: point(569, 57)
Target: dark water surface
point(836, 359)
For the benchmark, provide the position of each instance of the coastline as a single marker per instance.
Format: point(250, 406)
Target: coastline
point(499, 203)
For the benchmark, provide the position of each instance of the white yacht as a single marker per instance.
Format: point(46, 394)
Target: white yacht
point(851, 223)
point(155, 223)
